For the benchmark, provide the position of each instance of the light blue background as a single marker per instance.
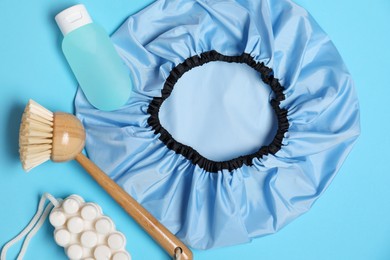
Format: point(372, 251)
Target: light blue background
point(350, 221)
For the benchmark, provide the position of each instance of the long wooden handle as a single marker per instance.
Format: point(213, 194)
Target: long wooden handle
point(150, 224)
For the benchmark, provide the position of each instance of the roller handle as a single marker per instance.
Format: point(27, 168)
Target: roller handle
point(171, 244)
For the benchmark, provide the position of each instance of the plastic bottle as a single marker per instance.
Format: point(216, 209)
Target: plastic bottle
point(93, 59)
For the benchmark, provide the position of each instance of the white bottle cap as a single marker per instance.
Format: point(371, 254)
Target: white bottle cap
point(72, 18)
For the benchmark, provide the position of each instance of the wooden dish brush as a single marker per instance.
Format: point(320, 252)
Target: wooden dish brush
point(60, 137)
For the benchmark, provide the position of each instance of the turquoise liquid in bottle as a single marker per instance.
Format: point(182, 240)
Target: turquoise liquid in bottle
point(93, 59)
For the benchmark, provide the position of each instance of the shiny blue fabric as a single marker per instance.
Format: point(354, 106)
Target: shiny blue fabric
point(222, 110)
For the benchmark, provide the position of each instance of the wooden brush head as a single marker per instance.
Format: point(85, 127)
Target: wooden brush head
point(68, 137)
point(45, 135)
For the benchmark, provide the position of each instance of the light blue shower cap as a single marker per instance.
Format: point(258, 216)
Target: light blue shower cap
point(241, 114)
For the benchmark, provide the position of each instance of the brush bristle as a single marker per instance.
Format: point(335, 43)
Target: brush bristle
point(35, 135)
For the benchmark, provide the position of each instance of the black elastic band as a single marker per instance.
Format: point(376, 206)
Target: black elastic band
point(190, 153)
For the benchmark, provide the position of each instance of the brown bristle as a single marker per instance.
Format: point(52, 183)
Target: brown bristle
point(35, 135)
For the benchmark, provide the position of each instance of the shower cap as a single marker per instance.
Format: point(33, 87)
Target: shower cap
point(241, 114)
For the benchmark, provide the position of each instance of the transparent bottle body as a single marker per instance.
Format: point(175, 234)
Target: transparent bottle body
point(97, 66)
